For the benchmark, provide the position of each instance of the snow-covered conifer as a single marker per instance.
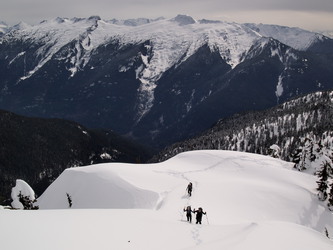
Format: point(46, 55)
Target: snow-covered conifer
point(330, 198)
point(275, 151)
point(304, 155)
point(322, 182)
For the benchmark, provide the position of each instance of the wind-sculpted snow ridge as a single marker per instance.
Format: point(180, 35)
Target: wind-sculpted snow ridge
point(252, 202)
point(263, 188)
point(94, 183)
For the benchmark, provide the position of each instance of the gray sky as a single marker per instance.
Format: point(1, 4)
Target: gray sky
point(308, 14)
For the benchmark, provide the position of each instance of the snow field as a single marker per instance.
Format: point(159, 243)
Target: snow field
point(252, 202)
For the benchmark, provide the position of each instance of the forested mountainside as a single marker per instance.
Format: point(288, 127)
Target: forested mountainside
point(38, 150)
point(158, 81)
point(301, 122)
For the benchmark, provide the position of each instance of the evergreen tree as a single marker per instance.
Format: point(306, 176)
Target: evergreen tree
point(330, 198)
point(319, 148)
point(322, 182)
point(296, 157)
point(300, 158)
point(304, 155)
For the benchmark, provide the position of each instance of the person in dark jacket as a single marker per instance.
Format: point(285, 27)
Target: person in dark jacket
point(189, 212)
point(189, 189)
point(199, 213)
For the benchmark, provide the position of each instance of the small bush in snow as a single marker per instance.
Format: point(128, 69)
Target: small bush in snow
point(28, 204)
point(69, 199)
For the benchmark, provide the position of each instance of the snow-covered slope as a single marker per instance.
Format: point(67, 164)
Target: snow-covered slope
point(252, 202)
point(294, 37)
point(173, 40)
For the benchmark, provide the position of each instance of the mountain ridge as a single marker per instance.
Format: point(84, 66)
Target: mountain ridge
point(111, 75)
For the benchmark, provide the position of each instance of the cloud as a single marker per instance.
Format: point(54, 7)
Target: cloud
point(303, 13)
point(295, 5)
point(303, 19)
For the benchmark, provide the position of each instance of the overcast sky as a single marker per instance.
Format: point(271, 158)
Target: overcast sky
point(308, 14)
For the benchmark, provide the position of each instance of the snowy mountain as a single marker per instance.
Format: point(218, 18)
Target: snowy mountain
point(252, 202)
point(158, 81)
point(294, 37)
point(328, 33)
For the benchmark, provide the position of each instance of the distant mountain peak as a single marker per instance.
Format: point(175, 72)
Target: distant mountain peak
point(134, 21)
point(183, 20)
point(206, 21)
point(20, 26)
point(95, 18)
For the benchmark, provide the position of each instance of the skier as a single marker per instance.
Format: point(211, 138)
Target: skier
point(188, 211)
point(199, 213)
point(189, 189)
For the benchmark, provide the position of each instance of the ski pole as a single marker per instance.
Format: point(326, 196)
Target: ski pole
point(207, 219)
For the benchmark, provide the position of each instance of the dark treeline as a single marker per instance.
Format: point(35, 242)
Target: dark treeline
point(38, 150)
